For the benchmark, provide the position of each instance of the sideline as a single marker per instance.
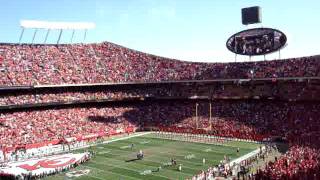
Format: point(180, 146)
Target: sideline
point(246, 156)
point(127, 137)
point(113, 140)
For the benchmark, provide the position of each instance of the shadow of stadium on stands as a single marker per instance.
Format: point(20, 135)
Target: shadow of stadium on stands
point(272, 118)
point(229, 70)
point(265, 69)
point(104, 119)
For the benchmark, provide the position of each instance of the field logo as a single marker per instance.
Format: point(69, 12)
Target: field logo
point(208, 150)
point(145, 142)
point(167, 164)
point(49, 163)
point(104, 152)
point(189, 156)
point(125, 147)
point(78, 173)
point(146, 172)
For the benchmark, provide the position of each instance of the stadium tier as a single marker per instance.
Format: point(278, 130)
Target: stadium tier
point(28, 65)
point(255, 120)
point(233, 89)
point(256, 101)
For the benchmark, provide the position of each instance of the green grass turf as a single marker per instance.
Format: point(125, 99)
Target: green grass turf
point(110, 161)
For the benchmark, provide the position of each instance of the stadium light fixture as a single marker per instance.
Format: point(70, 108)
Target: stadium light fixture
point(56, 25)
point(47, 25)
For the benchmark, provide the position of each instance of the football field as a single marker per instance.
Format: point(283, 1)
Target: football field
point(117, 160)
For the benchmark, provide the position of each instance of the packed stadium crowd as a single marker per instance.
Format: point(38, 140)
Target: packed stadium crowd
point(66, 96)
point(300, 162)
point(294, 122)
point(30, 127)
point(284, 91)
point(106, 62)
point(30, 65)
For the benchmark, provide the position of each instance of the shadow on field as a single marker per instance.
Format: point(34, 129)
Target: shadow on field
point(131, 160)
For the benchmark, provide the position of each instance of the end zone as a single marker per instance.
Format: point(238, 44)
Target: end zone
point(44, 166)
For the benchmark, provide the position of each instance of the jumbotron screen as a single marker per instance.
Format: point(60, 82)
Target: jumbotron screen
point(258, 41)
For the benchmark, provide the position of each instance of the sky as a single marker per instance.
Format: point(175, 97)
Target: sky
point(191, 30)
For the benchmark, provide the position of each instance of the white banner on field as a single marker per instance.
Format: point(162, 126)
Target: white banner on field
point(42, 165)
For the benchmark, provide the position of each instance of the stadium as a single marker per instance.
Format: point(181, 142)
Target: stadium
point(100, 110)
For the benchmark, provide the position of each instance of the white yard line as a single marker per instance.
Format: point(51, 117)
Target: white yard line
point(128, 137)
point(131, 169)
point(233, 161)
point(94, 177)
point(237, 160)
point(162, 152)
point(108, 172)
point(114, 140)
point(157, 162)
point(166, 153)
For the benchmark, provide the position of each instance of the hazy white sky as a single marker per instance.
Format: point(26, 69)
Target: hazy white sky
point(183, 29)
